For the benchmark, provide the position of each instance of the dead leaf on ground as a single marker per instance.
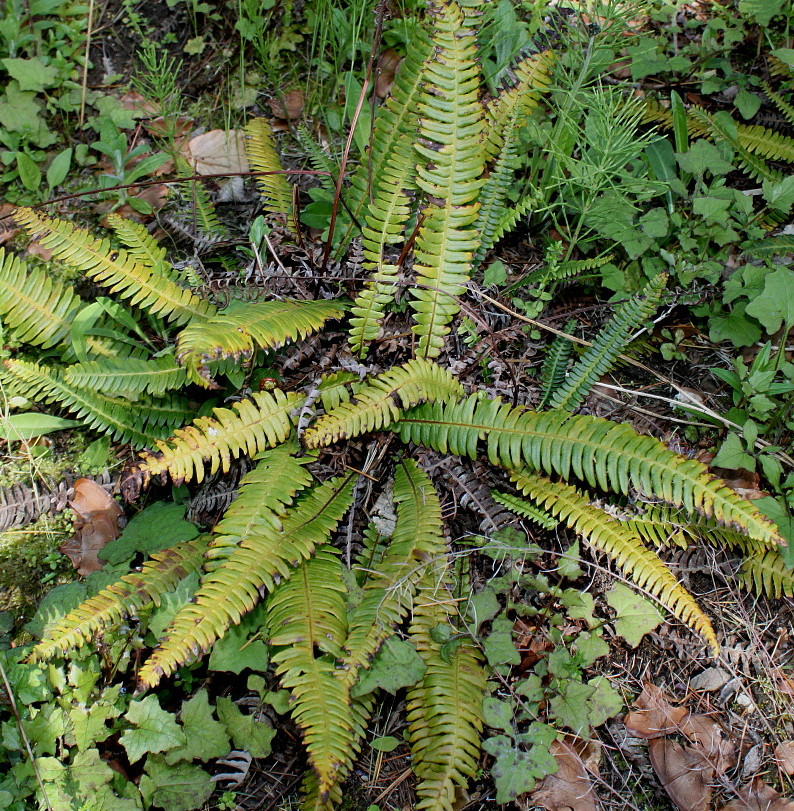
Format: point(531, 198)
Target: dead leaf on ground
point(783, 682)
point(96, 524)
point(136, 103)
point(683, 773)
point(709, 738)
point(654, 716)
point(387, 68)
point(570, 789)
point(784, 755)
point(217, 152)
point(289, 106)
point(37, 249)
point(758, 796)
point(7, 226)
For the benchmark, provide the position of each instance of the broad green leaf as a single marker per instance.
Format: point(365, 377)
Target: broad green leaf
point(483, 607)
point(605, 702)
point(31, 424)
point(206, 737)
point(239, 649)
point(396, 665)
point(155, 730)
point(499, 646)
point(59, 168)
point(159, 526)
point(635, 615)
point(172, 602)
point(732, 455)
point(176, 788)
point(386, 743)
point(90, 723)
point(571, 705)
point(498, 714)
point(29, 172)
point(516, 771)
point(45, 728)
point(589, 647)
point(775, 305)
point(703, 157)
point(247, 733)
point(32, 74)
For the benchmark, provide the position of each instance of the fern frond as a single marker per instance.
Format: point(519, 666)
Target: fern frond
point(525, 509)
point(319, 159)
point(444, 711)
point(771, 246)
point(158, 575)
point(260, 560)
point(604, 533)
point(141, 423)
point(117, 270)
point(555, 365)
point(245, 326)
point(785, 108)
point(493, 196)
point(556, 272)
point(265, 494)
point(416, 542)
point(141, 246)
point(128, 376)
point(336, 387)
point(602, 453)
point(451, 125)
point(202, 209)
point(248, 427)
point(511, 217)
point(769, 144)
point(531, 76)
point(375, 405)
point(306, 617)
point(35, 308)
point(766, 572)
point(366, 314)
point(260, 147)
point(607, 346)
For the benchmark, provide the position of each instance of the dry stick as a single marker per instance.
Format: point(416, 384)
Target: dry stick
point(15, 711)
point(84, 82)
point(688, 401)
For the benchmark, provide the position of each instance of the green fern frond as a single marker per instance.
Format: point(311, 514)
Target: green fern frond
point(604, 533)
point(556, 272)
point(260, 560)
point(417, 541)
point(366, 314)
point(34, 308)
point(785, 108)
point(444, 711)
point(248, 427)
point(531, 77)
point(526, 510)
point(319, 159)
point(141, 423)
point(451, 174)
point(375, 405)
point(511, 217)
point(336, 388)
point(493, 197)
point(158, 575)
point(141, 246)
point(765, 572)
point(117, 270)
point(771, 246)
point(128, 376)
point(306, 616)
point(767, 143)
point(607, 346)
point(602, 453)
point(260, 147)
point(265, 494)
point(246, 326)
point(555, 365)
point(202, 209)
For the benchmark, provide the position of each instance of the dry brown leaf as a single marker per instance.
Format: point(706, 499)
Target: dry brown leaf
point(217, 152)
point(683, 773)
point(708, 737)
point(758, 796)
point(654, 716)
point(783, 682)
point(387, 68)
point(7, 226)
point(136, 103)
point(570, 789)
point(96, 523)
point(37, 249)
point(289, 106)
point(784, 755)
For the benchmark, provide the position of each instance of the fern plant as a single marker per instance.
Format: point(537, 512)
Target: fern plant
point(278, 541)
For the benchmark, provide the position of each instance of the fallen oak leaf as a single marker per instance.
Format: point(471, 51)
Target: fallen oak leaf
point(217, 152)
point(570, 788)
point(758, 796)
point(709, 739)
point(289, 106)
point(683, 773)
point(655, 716)
point(784, 755)
point(96, 524)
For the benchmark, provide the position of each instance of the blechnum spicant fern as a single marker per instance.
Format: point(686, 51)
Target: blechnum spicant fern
point(279, 543)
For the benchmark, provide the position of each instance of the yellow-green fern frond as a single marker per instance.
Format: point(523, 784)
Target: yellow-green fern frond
point(610, 342)
point(143, 286)
point(531, 76)
point(766, 573)
point(141, 245)
point(260, 147)
point(141, 422)
point(785, 107)
point(769, 144)
point(245, 326)
point(205, 222)
point(248, 427)
point(129, 376)
point(614, 539)
point(337, 388)
point(451, 174)
point(602, 453)
point(306, 617)
point(375, 405)
point(34, 308)
point(264, 557)
point(158, 575)
point(445, 708)
point(262, 502)
point(416, 543)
